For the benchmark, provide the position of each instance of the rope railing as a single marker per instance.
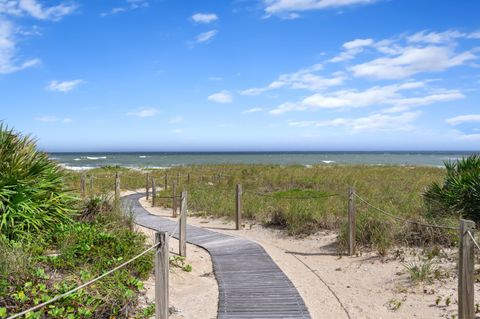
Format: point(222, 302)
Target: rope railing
point(473, 240)
point(46, 303)
point(403, 219)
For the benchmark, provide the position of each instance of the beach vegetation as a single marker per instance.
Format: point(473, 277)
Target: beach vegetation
point(303, 200)
point(33, 197)
point(51, 241)
point(459, 192)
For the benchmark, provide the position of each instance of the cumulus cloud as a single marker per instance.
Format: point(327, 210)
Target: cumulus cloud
point(352, 49)
point(467, 118)
point(412, 60)
point(144, 112)
point(374, 122)
point(9, 63)
point(221, 97)
point(302, 79)
point(389, 95)
point(64, 86)
point(204, 17)
point(206, 36)
point(36, 10)
point(287, 7)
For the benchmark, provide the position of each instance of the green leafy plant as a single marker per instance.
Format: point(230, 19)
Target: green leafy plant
point(420, 270)
point(460, 192)
point(179, 262)
point(33, 198)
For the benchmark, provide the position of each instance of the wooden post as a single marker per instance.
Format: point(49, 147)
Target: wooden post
point(178, 178)
point(146, 185)
point(91, 184)
point(182, 235)
point(188, 179)
point(154, 193)
point(466, 277)
point(238, 206)
point(351, 221)
point(166, 181)
point(83, 185)
point(174, 199)
point(117, 189)
point(161, 275)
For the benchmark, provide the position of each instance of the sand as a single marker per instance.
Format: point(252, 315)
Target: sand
point(332, 286)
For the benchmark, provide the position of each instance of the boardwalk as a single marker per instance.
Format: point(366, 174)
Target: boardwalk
point(250, 284)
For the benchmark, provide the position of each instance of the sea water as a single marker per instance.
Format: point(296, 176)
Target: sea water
point(78, 161)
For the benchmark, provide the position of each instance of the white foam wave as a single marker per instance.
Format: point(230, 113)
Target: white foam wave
point(93, 158)
point(76, 168)
point(328, 162)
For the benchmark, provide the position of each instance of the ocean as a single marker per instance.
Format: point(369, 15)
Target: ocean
point(80, 161)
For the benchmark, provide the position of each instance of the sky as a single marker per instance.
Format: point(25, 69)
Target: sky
point(242, 75)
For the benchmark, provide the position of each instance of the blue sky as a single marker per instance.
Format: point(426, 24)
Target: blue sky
point(174, 75)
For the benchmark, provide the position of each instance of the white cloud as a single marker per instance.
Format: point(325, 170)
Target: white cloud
point(8, 62)
point(352, 49)
point(204, 17)
point(53, 119)
point(177, 131)
point(130, 5)
point(176, 120)
point(113, 11)
point(435, 37)
point(377, 95)
point(302, 79)
point(374, 122)
point(289, 6)
point(221, 97)
point(412, 60)
point(205, 36)
point(253, 110)
point(36, 10)
point(144, 112)
point(64, 86)
point(460, 119)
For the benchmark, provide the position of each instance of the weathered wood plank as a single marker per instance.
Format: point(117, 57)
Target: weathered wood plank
point(251, 285)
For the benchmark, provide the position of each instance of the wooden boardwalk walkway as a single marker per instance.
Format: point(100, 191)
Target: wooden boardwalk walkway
point(250, 284)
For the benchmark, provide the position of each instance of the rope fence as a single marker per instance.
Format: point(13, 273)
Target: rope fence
point(88, 283)
point(403, 219)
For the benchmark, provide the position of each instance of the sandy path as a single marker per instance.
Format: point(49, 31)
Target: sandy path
point(342, 287)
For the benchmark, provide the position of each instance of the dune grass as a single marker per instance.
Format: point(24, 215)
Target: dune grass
point(302, 199)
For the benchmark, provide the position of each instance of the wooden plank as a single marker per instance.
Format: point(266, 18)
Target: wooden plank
point(174, 199)
point(147, 186)
point(166, 182)
point(182, 249)
point(351, 221)
point(238, 207)
point(250, 284)
point(161, 275)
point(91, 185)
point(83, 185)
point(117, 189)
point(154, 193)
point(466, 269)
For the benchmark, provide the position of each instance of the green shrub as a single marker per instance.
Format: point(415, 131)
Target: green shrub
point(460, 192)
point(32, 194)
